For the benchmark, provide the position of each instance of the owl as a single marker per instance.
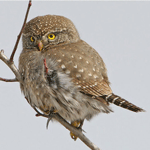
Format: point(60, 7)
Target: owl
point(63, 74)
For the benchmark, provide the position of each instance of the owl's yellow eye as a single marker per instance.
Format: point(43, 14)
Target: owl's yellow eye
point(51, 36)
point(32, 39)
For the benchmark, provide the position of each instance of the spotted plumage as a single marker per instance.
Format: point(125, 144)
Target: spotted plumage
point(61, 72)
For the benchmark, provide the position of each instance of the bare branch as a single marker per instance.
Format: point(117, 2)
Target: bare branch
point(9, 80)
point(10, 65)
point(77, 132)
point(18, 38)
point(9, 62)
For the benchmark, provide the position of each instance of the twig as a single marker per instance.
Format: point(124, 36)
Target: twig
point(11, 66)
point(8, 80)
point(77, 132)
point(9, 62)
point(18, 38)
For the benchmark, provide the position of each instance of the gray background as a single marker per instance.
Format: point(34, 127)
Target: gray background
point(120, 32)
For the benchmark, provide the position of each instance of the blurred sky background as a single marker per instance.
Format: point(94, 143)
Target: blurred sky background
point(120, 32)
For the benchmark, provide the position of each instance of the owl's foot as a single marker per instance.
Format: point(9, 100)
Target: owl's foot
point(78, 125)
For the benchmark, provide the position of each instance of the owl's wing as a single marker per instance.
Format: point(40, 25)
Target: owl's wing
point(84, 65)
point(94, 88)
point(86, 69)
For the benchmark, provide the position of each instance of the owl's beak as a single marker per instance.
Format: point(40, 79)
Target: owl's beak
point(40, 45)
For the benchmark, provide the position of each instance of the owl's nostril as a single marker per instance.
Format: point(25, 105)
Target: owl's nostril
point(40, 45)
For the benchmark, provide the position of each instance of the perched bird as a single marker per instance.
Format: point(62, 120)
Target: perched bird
point(63, 74)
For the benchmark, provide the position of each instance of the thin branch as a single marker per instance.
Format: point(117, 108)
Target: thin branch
point(77, 132)
point(11, 65)
point(18, 38)
point(9, 80)
point(9, 62)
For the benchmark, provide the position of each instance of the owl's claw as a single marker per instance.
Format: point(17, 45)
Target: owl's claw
point(48, 120)
point(50, 116)
point(78, 125)
point(73, 136)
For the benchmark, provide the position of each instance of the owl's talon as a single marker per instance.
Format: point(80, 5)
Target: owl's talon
point(78, 125)
point(48, 120)
point(53, 111)
point(73, 136)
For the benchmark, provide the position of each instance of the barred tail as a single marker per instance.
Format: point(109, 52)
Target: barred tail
point(117, 100)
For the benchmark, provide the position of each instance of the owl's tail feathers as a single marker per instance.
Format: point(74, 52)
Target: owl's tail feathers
point(117, 100)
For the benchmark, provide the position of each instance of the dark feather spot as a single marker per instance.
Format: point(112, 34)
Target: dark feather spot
point(52, 78)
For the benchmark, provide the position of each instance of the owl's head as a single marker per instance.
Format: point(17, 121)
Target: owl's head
point(48, 31)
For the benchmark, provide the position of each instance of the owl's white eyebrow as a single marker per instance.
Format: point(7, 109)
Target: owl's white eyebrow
point(25, 34)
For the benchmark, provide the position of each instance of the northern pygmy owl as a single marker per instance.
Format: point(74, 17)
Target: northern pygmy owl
point(62, 73)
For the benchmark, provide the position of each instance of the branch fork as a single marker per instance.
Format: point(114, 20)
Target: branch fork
point(56, 116)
